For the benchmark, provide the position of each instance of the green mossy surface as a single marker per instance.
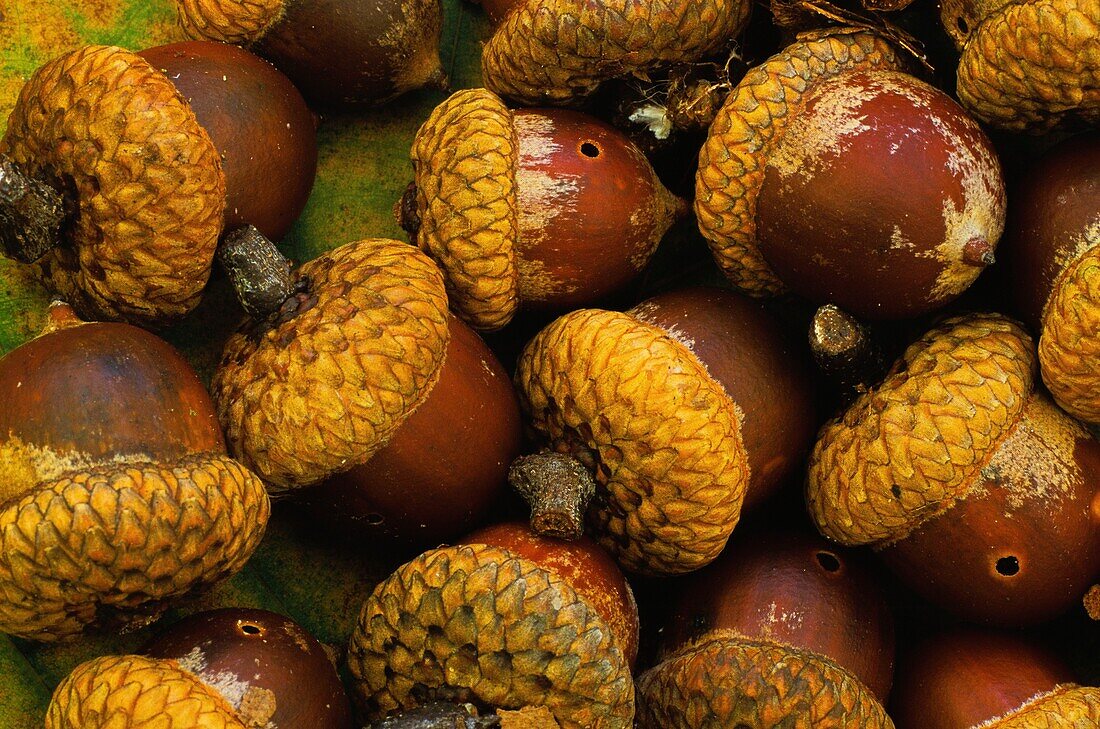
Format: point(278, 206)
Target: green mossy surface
point(363, 169)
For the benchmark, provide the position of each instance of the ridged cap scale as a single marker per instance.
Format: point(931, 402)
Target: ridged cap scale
point(1069, 346)
point(241, 22)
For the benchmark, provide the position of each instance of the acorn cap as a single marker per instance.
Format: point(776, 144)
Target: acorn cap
point(320, 388)
point(126, 691)
point(906, 451)
point(478, 623)
point(1030, 65)
point(103, 544)
point(726, 680)
point(465, 157)
point(559, 52)
point(148, 183)
point(241, 22)
point(1069, 347)
point(746, 130)
point(1066, 706)
point(661, 436)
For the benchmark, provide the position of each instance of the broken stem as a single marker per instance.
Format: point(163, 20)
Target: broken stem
point(32, 214)
point(260, 274)
point(558, 488)
point(844, 351)
point(406, 212)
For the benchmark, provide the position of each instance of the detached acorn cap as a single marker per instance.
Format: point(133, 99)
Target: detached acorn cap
point(131, 691)
point(661, 436)
point(747, 129)
point(908, 450)
point(557, 52)
point(229, 21)
point(321, 386)
point(481, 624)
point(147, 179)
point(1027, 65)
point(726, 680)
point(465, 157)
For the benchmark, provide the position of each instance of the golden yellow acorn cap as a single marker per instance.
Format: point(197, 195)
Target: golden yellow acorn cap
point(1065, 706)
point(142, 242)
point(661, 436)
point(116, 544)
point(477, 621)
point(1069, 345)
point(746, 130)
point(241, 22)
point(559, 52)
point(907, 450)
point(465, 157)
point(135, 691)
point(321, 387)
point(724, 680)
point(1030, 65)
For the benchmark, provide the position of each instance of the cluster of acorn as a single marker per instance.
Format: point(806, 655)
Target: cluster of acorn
point(358, 385)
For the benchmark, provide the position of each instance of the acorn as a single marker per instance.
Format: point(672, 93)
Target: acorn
point(969, 678)
point(674, 408)
point(338, 52)
point(499, 621)
point(539, 208)
point(119, 171)
point(560, 52)
point(1028, 65)
point(362, 376)
point(234, 667)
point(119, 498)
point(862, 187)
point(1053, 252)
point(970, 483)
point(781, 630)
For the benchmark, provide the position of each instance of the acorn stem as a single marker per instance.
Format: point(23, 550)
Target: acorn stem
point(406, 212)
point(260, 274)
point(32, 214)
point(439, 715)
point(978, 252)
point(844, 351)
point(558, 488)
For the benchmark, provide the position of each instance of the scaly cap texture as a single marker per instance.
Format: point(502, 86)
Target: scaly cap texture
point(661, 436)
point(320, 388)
point(134, 692)
point(117, 543)
point(1062, 708)
point(147, 179)
point(724, 681)
point(559, 51)
point(240, 22)
point(476, 621)
point(733, 159)
point(1069, 346)
point(906, 451)
point(465, 158)
point(1032, 64)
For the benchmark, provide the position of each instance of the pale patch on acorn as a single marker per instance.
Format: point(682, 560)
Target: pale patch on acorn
point(775, 617)
point(827, 132)
point(254, 705)
point(535, 133)
point(542, 197)
point(537, 284)
point(24, 466)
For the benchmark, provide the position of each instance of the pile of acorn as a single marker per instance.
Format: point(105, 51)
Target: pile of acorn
point(849, 369)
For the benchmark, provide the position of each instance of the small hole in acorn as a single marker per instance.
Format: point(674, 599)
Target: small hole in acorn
point(1008, 566)
point(963, 27)
point(828, 561)
point(590, 149)
point(249, 629)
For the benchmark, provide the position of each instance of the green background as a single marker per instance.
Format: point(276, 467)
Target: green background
point(363, 167)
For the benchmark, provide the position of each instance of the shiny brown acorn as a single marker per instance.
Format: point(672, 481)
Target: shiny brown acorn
point(970, 483)
point(781, 630)
point(110, 444)
point(231, 668)
point(119, 171)
point(1053, 255)
point(969, 678)
point(675, 408)
point(338, 52)
point(360, 375)
point(499, 621)
point(534, 207)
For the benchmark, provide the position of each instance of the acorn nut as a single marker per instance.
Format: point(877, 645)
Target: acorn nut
point(108, 525)
point(338, 52)
point(497, 627)
point(542, 208)
point(231, 668)
point(559, 52)
point(120, 171)
point(972, 486)
point(781, 630)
